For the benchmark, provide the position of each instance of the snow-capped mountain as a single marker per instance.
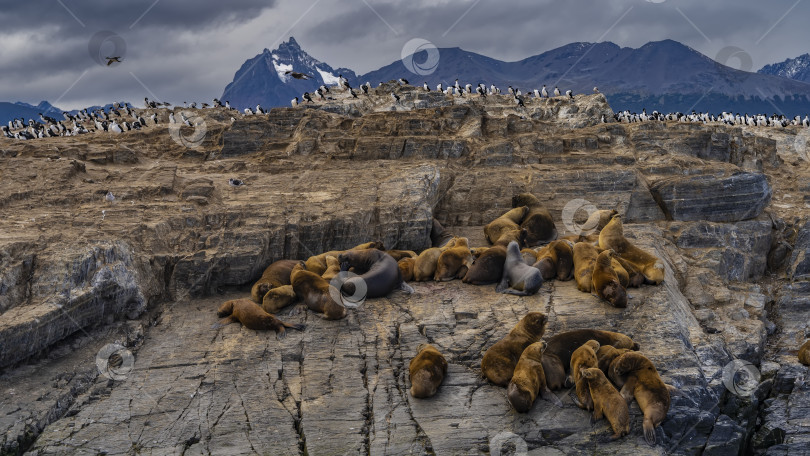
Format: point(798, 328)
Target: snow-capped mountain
point(798, 68)
point(27, 111)
point(264, 80)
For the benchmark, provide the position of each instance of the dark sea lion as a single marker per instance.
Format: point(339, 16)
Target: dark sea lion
point(607, 402)
point(510, 221)
point(275, 275)
point(426, 371)
point(529, 381)
point(487, 268)
point(518, 277)
point(557, 357)
point(606, 282)
point(253, 317)
point(612, 237)
point(498, 363)
point(438, 235)
point(376, 268)
point(606, 354)
point(641, 380)
point(537, 221)
point(316, 293)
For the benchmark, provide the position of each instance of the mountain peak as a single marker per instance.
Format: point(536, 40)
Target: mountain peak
point(797, 68)
point(290, 44)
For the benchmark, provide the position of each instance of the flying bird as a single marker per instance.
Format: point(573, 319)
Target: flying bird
point(297, 75)
point(110, 60)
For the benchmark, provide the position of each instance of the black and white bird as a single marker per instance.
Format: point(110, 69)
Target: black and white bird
point(426, 87)
point(294, 102)
point(570, 94)
point(519, 101)
point(596, 90)
point(307, 97)
point(403, 81)
point(544, 92)
point(235, 182)
point(556, 91)
point(297, 75)
point(439, 88)
point(395, 97)
point(259, 110)
point(111, 60)
point(354, 95)
point(109, 197)
point(364, 88)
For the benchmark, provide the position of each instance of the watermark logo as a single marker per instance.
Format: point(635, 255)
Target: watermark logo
point(744, 62)
point(508, 443)
point(114, 361)
point(107, 48)
point(415, 48)
point(569, 217)
point(197, 136)
point(741, 377)
point(349, 289)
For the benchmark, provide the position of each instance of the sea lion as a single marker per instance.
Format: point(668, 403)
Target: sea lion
point(332, 267)
point(509, 221)
point(538, 221)
point(621, 272)
point(275, 275)
point(252, 316)
point(454, 262)
point(557, 357)
point(376, 268)
point(499, 361)
point(585, 255)
point(278, 298)
point(598, 220)
point(641, 380)
point(487, 268)
point(606, 354)
point(612, 237)
point(606, 282)
point(424, 268)
point(583, 357)
point(804, 353)
point(400, 254)
point(426, 371)
point(438, 235)
point(607, 402)
point(634, 277)
point(518, 277)
point(317, 263)
point(590, 238)
point(529, 381)
point(406, 268)
point(314, 291)
point(529, 256)
point(556, 260)
point(518, 235)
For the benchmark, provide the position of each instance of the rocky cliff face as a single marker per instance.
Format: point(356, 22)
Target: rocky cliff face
point(140, 277)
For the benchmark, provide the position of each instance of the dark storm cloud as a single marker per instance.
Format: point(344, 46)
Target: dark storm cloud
point(190, 49)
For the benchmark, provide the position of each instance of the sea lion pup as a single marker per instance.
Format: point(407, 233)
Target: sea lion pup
point(538, 221)
point(424, 268)
point(406, 268)
point(499, 361)
point(509, 221)
point(252, 316)
point(606, 354)
point(607, 402)
point(529, 381)
point(557, 357)
point(454, 262)
point(376, 268)
point(426, 371)
point(606, 282)
point(523, 279)
point(488, 267)
point(275, 275)
point(438, 235)
point(585, 255)
point(278, 298)
point(317, 263)
point(804, 353)
point(612, 237)
point(332, 267)
point(641, 380)
point(400, 254)
point(556, 260)
point(583, 357)
point(314, 291)
point(518, 235)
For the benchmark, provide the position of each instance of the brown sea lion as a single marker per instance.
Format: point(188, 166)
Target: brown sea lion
point(275, 275)
point(438, 235)
point(634, 276)
point(499, 361)
point(590, 238)
point(804, 353)
point(621, 273)
point(252, 316)
point(583, 357)
point(529, 256)
point(606, 282)
point(317, 263)
point(518, 235)
point(426, 371)
point(518, 277)
point(376, 268)
point(509, 221)
point(607, 402)
point(400, 254)
point(424, 268)
point(612, 237)
point(315, 292)
point(598, 220)
point(406, 268)
point(332, 267)
point(278, 298)
point(557, 357)
point(556, 260)
point(454, 262)
point(606, 354)
point(585, 255)
point(487, 268)
point(529, 381)
point(537, 221)
point(641, 380)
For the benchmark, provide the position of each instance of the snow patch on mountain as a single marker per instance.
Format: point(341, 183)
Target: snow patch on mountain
point(328, 78)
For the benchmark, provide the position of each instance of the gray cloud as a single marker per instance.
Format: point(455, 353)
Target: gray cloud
point(190, 49)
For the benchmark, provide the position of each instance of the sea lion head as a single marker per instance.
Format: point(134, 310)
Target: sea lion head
point(589, 373)
point(421, 347)
point(615, 294)
point(524, 199)
point(535, 322)
point(263, 288)
point(594, 344)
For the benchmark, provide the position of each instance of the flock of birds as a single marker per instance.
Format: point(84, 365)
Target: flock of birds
point(121, 117)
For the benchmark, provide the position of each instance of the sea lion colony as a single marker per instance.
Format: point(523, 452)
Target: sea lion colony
point(524, 252)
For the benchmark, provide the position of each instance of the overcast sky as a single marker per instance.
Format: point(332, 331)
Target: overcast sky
point(184, 50)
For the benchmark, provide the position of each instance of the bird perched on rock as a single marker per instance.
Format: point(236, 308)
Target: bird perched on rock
point(109, 197)
point(235, 182)
point(395, 97)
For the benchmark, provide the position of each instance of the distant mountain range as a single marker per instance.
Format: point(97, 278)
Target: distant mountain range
point(798, 68)
point(16, 110)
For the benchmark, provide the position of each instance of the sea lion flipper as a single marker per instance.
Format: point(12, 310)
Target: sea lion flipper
point(281, 333)
point(672, 389)
point(224, 322)
point(512, 291)
point(575, 399)
point(551, 397)
point(502, 285)
point(406, 288)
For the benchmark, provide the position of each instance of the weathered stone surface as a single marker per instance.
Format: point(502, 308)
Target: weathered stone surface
point(741, 196)
point(799, 264)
